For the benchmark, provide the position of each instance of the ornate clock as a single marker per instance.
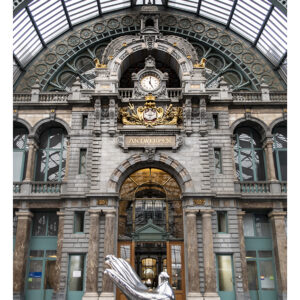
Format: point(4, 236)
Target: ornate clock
point(150, 82)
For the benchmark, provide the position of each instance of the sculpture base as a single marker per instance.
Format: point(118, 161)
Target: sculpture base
point(90, 296)
point(107, 296)
point(211, 296)
point(194, 296)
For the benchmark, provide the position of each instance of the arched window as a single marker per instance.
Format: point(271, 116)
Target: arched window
point(280, 151)
point(20, 153)
point(249, 155)
point(51, 156)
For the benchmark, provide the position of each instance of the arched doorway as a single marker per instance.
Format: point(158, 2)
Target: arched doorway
point(150, 227)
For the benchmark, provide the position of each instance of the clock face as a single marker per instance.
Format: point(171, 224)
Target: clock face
point(150, 82)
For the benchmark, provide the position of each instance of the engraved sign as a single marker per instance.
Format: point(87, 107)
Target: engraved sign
point(199, 201)
point(102, 202)
point(150, 141)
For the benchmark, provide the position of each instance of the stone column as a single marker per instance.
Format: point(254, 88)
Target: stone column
point(21, 252)
point(280, 248)
point(210, 287)
point(67, 159)
point(193, 277)
point(60, 237)
point(30, 160)
point(109, 248)
point(270, 160)
point(240, 215)
point(91, 291)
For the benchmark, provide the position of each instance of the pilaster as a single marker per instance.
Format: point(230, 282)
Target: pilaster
point(270, 161)
point(192, 256)
point(210, 287)
point(109, 248)
point(21, 251)
point(280, 248)
point(32, 147)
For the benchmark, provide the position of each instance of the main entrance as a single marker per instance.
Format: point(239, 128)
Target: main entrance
point(151, 228)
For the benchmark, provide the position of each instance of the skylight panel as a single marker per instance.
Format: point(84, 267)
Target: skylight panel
point(108, 6)
point(249, 16)
point(80, 11)
point(216, 10)
point(273, 41)
point(26, 42)
point(184, 5)
point(49, 16)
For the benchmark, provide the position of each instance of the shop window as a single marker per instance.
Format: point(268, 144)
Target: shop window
point(51, 156)
point(218, 161)
point(222, 222)
point(19, 153)
point(79, 222)
point(249, 155)
point(84, 121)
point(256, 225)
point(45, 224)
point(82, 161)
point(280, 152)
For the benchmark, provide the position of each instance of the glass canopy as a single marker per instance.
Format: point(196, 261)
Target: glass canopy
point(38, 22)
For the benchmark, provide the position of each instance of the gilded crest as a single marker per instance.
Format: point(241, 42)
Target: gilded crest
point(150, 115)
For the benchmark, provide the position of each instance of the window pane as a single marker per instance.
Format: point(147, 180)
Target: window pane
point(250, 254)
point(84, 121)
point(79, 221)
point(63, 164)
point(50, 275)
point(19, 141)
point(176, 267)
point(222, 226)
point(267, 278)
point(52, 224)
point(41, 165)
point(283, 164)
point(225, 273)
point(248, 225)
point(245, 139)
point(36, 253)
point(53, 165)
point(44, 140)
point(280, 138)
point(260, 165)
point(39, 224)
point(76, 273)
point(18, 166)
point(218, 161)
point(55, 139)
point(262, 225)
point(82, 162)
point(35, 274)
point(125, 252)
point(252, 275)
point(264, 254)
point(246, 164)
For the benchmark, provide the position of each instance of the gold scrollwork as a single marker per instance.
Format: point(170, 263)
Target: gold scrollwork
point(200, 65)
point(150, 115)
point(199, 201)
point(102, 202)
point(98, 65)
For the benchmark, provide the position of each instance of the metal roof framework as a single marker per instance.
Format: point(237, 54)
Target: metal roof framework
point(261, 22)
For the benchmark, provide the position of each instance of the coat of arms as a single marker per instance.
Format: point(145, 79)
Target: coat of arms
point(150, 115)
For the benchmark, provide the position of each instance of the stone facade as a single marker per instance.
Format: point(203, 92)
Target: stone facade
point(204, 192)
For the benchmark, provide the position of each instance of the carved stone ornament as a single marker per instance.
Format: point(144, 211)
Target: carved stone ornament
point(150, 115)
point(150, 152)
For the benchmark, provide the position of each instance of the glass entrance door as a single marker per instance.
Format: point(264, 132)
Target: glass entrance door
point(261, 275)
point(226, 284)
point(76, 277)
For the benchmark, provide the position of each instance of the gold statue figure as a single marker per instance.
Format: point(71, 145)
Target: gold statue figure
point(200, 65)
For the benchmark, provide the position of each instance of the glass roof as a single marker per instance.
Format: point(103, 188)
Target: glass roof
point(258, 21)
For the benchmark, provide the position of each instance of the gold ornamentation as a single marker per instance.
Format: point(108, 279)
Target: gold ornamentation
point(150, 115)
point(102, 202)
point(200, 65)
point(124, 44)
point(110, 57)
point(98, 65)
point(150, 97)
point(199, 201)
point(188, 56)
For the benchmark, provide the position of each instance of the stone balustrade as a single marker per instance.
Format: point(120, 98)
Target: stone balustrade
point(125, 93)
point(22, 97)
point(53, 97)
point(174, 93)
point(38, 187)
point(278, 96)
point(246, 96)
point(260, 187)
